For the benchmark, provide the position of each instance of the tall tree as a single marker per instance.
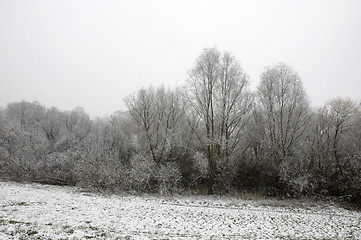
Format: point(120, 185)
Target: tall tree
point(283, 101)
point(341, 116)
point(157, 114)
point(219, 98)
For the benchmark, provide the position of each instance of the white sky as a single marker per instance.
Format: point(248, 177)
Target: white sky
point(68, 53)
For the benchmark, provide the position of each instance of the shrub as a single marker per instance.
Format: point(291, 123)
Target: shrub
point(168, 177)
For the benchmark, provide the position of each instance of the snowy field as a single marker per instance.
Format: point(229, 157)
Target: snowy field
point(34, 211)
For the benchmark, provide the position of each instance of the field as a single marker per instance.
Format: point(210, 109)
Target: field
point(34, 211)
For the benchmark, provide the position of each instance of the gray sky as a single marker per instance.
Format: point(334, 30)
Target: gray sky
point(68, 53)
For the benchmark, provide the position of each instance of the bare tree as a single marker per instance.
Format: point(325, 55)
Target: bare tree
point(284, 102)
point(219, 99)
point(24, 144)
point(334, 148)
point(234, 104)
point(53, 125)
point(319, 142)
point(157, 113)
point(341, 116)
point(25, 114)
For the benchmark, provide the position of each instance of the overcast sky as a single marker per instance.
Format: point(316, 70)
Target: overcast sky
point(68, 53)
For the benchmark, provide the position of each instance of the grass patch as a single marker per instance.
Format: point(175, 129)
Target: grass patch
point(31, 232)
point(14, 222)
point(19, 204)
point(93, 228)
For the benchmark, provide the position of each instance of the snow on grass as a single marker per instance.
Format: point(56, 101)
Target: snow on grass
point(34, 211)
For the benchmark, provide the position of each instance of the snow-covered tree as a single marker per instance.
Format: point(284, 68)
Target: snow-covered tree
point(219, 99)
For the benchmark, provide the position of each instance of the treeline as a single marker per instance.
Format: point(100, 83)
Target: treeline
point(211, 136)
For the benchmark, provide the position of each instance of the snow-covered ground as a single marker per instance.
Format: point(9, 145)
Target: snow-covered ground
point(34, 211)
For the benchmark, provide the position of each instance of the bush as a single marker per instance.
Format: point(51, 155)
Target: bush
point(141, 173)
point(169, 178)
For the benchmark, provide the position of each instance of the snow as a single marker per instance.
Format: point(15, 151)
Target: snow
point(34, 211)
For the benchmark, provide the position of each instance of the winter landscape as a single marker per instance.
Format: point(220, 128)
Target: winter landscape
point(180, 119)
point(34, 211)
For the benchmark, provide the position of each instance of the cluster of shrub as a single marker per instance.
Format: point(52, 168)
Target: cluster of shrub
point(211, 136)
